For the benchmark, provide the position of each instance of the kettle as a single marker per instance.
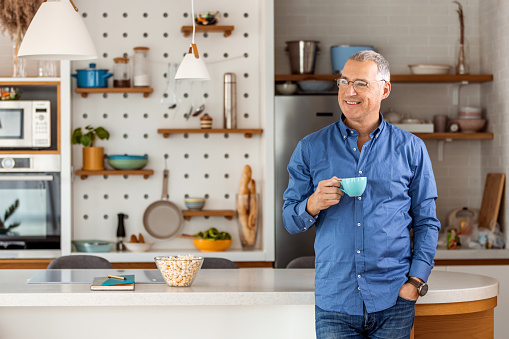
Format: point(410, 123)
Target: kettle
point(393, 117)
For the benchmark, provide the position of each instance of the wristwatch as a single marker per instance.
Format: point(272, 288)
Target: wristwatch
point(422, 287)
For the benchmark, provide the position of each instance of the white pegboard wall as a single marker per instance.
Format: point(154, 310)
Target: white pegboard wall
point(199, 165)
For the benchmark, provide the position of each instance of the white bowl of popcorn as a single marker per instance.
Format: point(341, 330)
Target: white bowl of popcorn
point(179, 270)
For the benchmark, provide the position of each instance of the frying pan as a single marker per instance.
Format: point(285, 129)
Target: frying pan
point(162, 219)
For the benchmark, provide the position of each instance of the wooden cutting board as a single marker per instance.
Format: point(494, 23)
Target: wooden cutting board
point(491, 198)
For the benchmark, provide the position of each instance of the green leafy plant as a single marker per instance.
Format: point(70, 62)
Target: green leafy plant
point(89, 137)
point(9, 212)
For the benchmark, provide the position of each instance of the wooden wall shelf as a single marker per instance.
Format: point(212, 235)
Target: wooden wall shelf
point(455, 136)
point(228, 214)
point(248, 133)
point(403, 78)
point(84, 174)
point(86, 91)
point(227, 30)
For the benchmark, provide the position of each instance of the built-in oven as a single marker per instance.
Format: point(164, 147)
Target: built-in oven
point(30, 214)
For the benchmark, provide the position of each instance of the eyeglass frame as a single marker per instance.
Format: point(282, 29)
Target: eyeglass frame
point(353, 82)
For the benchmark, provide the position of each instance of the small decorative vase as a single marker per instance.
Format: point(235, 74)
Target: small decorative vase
point(93, 158)
point(462, 63)
point(18, 64)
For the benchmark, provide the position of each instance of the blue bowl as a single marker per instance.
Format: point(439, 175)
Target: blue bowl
point(127, 162)
point(92, 245)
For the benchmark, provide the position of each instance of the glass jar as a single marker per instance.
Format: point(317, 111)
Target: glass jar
point(141, 75)
point(121, 73)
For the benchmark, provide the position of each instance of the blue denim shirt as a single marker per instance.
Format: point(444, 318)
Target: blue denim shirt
point(362, 246)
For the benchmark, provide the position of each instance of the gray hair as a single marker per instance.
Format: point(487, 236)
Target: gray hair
point(384, 72)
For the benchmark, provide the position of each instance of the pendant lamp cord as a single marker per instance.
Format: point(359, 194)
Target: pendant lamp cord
point(192, 18)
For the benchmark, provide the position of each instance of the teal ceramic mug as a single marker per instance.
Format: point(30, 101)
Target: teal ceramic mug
point(354, 187)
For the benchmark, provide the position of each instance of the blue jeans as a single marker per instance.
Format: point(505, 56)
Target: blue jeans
point(393, 323)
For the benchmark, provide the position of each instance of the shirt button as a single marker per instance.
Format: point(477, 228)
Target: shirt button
point(358, 251)
point(360, 198)
point(359, 288)
point(344, 136)
point(358, 224)
point(360, 172)
point(355, 149)
point(359, 276)
point(351, 132)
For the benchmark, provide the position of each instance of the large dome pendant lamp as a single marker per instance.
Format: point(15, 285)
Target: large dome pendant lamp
point(192, 67)
point(57, 32)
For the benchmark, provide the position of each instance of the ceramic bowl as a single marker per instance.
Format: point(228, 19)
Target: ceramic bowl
point(286, 89)
point(92, 245)
point(138, 247)
point(471, 125)
point(179, 270)
point(207, 245)
point(127, 162)
point(469, 113)
point(430, 69)
point(316, 85)
point(194, 204)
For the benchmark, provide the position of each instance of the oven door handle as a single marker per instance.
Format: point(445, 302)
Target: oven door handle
point(26, 178)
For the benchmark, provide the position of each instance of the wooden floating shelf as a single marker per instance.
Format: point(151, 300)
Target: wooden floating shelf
point(228, 214)
point(84, 174)
point(248, 133)
point(86, 91)
point(188, 30)
point(403, 78)
point(455, 136)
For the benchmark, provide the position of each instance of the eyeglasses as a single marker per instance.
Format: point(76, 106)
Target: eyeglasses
point(358, 85)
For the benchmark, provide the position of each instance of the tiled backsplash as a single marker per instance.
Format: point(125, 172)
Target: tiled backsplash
point(405, 32)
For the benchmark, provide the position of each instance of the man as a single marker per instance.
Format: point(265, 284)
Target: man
point(366, 267)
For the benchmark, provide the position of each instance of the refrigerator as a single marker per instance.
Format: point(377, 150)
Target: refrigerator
point(296, 116)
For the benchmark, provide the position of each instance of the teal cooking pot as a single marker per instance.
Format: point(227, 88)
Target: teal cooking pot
point(92, 77)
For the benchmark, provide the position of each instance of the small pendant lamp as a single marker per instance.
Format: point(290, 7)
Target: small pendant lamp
point(192, 67)
point(57, 32)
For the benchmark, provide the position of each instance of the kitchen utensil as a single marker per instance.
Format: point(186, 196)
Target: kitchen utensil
point(200, 109)
point(169, 97)
point(440, 123)
point(207, 245)
point(315, 85)
point(127, 162)
point(471, 125)
point(287, 88)
point(92, 77)
point(192, 101)
point(179, 270)
point(138, 247)
point(430, 69)
point(195, 204)
point(341, 53)
point(162, 219)
point(141, 71)
point(120, 232)
point(469, 113)
point(92, 245)
point(302, 55)
point(230, 101)
point(354, 187)
point(492, 196)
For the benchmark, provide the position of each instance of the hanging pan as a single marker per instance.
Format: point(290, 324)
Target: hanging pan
point(163, 219)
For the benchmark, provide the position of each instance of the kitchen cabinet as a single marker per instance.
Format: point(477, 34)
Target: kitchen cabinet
point(86, 91)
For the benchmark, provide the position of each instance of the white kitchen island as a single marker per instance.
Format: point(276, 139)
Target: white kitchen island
point(242, 303)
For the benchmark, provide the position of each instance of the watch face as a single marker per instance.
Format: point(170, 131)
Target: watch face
point(423, 290)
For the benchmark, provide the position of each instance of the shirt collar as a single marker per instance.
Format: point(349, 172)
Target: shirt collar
point(346, 131)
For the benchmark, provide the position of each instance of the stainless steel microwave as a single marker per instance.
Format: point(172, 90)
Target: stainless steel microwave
point(25, 124)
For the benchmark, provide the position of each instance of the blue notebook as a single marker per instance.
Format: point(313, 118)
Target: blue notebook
point(113, 284)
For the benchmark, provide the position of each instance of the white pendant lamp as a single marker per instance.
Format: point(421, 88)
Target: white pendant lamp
point(57, 32)
point(192, 67)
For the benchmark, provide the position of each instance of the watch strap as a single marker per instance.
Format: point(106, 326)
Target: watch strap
point(415, 282)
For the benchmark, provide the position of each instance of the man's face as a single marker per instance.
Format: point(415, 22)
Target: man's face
point(362, 104)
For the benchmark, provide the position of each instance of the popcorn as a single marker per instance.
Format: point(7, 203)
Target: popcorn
point(179, 270)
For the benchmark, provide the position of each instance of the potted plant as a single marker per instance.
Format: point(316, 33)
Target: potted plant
point(4, 229)
point(93, 157)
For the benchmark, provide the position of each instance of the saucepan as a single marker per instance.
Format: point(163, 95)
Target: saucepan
point(92, 77)
point(163, 219)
